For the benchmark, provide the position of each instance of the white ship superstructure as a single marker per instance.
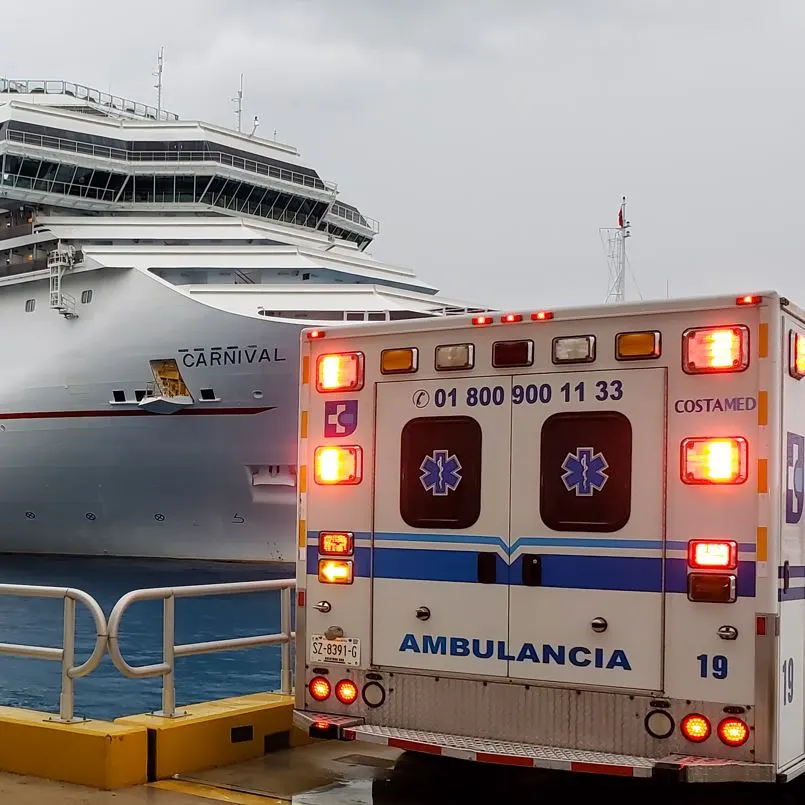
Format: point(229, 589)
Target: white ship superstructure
point(154, 276)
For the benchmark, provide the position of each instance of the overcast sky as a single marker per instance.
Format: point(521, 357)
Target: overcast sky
point(494, 139)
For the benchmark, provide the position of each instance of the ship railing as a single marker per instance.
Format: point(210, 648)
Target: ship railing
point(170, 650)
point(66, 654)
point(124, 155)
point(348, 214)
point(28, 87)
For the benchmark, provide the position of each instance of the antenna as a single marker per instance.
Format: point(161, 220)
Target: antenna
point(158, 76)
point(238, 99)
point(616, 255)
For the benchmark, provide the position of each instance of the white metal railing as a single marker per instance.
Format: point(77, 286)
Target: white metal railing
point(66, 654)
point(28, 87)
point(170, 651)
point(123, 155)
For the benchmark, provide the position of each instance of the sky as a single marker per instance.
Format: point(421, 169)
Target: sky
point(494, 138)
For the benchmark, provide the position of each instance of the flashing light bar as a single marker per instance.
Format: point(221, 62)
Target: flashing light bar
point(481, 321)
point(541, 315)
point(796, 355)
point(574, 349)
point(313, 334)
point(338, 465)
point(511, 318)
point(748, 299)
point(336, 543)
point(638, 346)
point(403, 360)
point(713, 554)
point(715, 349)
point(714, 461)
point(339, 372)
point(512, 353)
point(454, 356)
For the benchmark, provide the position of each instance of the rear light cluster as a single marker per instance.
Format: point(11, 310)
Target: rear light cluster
point(346, 691)
point(713, 571)
point(731, 731)
point(697, 728)
point(334, 548)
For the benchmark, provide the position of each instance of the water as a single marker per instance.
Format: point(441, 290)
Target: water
point(107, 694)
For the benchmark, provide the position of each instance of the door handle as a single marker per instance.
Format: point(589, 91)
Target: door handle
point(532, 570)
point(487, 568)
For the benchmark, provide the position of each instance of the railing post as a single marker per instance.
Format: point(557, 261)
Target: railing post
point(67, 694)
point(285, 648)
point(169, 656)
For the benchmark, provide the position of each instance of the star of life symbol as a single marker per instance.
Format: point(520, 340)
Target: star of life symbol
point(440, 473)
point(584, 472)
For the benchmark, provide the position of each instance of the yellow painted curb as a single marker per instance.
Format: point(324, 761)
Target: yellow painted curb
point(215, 793)
point(98, 754)
point(216, 733)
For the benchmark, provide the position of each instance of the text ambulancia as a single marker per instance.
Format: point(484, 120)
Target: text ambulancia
point(569, 539)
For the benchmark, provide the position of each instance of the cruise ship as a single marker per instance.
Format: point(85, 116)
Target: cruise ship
point(155, 273)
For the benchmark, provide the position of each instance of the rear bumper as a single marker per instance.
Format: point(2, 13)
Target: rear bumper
point(673, 768)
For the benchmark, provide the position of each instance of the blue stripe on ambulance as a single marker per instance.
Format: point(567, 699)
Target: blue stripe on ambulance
point(569, 571)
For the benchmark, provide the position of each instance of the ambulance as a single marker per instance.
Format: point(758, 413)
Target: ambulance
point(568, 539)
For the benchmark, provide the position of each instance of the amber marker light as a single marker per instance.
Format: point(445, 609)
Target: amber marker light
point(335, 571)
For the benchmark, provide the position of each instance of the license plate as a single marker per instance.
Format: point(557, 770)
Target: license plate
point(341, 651)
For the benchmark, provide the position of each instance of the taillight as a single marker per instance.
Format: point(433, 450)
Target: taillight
point(336, 543)
point(714, 461)
point(346, 691)
point(338, 465)
point(715, 349)
point(696, 728)
point(339, 372)
point(733, 732)
point(319, 688)
point(716, 554)
point(712, 588)
point(335, 571)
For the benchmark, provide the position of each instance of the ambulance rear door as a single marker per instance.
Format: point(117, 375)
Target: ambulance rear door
point(587, 528)
point(441, 525)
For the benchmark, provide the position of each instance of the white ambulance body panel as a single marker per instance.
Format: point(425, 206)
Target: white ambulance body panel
point(559, 554)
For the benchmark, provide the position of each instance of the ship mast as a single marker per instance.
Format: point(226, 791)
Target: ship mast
point(238, 101)
point(158, 76)
point(616, 255)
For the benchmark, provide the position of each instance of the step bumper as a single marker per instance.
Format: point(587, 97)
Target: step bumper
point(672, 768)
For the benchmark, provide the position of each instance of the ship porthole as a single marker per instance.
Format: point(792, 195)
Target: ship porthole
point(258, 395)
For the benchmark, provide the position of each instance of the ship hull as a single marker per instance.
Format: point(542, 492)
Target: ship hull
point(81, 474)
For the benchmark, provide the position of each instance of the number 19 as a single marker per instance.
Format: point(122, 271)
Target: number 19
point(719, 669)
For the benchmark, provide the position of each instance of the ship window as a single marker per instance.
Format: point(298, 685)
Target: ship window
point(440, 472)
point(207, 394)
point(139, 394)
point(377, 317)
point(119, 396)
point(86, 297)
point(30, 305)
point(586, 471)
